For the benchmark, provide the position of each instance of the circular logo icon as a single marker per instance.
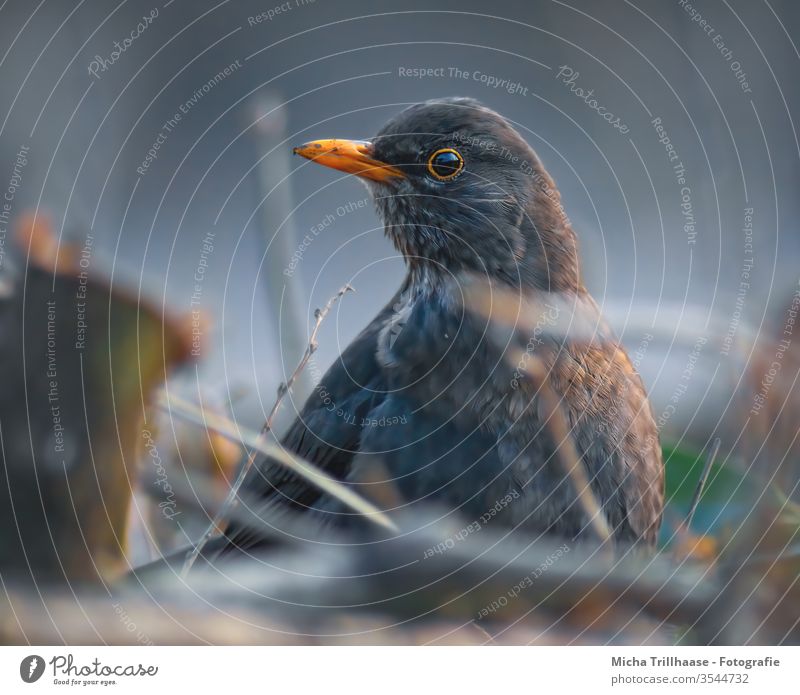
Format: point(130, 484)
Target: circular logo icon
point(31, 668)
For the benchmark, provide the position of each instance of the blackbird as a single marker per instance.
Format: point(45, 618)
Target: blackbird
point(428, 394)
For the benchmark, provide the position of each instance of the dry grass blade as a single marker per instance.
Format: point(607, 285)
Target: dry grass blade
point(569, 316)
point(576, 321)
point(566, 454)
point(283, 389)
point(226, 427)
point(701, 484)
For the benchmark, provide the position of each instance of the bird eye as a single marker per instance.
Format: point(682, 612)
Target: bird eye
point(445, 164)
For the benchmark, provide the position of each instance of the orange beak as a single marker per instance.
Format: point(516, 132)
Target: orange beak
point(350, 156)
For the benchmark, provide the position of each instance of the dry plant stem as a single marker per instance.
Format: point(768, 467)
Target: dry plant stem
point(566, 454)
point(701, 484)
point(304, 469)
point(232, 499)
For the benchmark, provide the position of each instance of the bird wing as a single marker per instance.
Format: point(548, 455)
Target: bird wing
point(626, 434)
point(643, 481)
point(326, 433)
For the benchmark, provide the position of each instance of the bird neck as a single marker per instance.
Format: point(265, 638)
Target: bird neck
point(539, 253)
point(550, 259)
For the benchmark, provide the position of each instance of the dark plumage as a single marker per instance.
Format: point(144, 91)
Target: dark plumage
point(428, 391)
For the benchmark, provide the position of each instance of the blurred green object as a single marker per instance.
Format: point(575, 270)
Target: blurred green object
point(723, 501)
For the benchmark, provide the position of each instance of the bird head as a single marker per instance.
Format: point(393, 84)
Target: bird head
point(459, 190)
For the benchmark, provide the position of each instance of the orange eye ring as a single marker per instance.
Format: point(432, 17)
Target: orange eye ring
point(443, 166)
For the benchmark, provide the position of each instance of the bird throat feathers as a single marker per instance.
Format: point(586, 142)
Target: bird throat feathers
point(520, 243)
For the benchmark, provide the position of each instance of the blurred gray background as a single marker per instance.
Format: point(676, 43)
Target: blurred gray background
point(722, 76)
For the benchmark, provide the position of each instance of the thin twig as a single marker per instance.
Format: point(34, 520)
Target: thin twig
point(566, 454)
point(701, 484)
point(257, 443)
point(311, 348)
